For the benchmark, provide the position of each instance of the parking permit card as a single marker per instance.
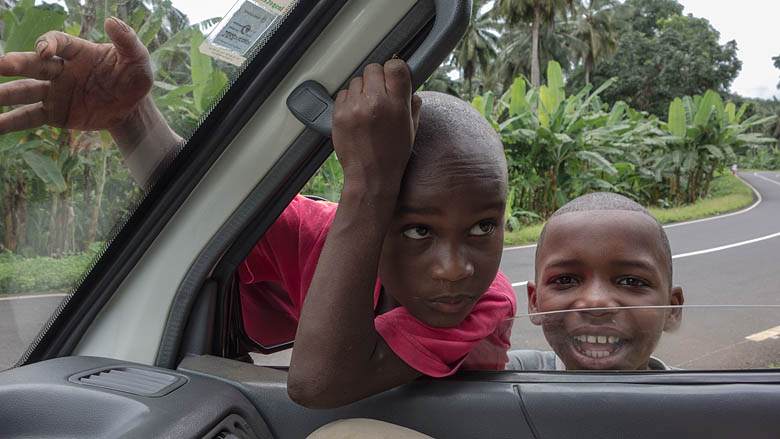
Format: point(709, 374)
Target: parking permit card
point(243, 26)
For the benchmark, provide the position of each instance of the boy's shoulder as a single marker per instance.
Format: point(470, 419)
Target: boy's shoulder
point(528, 359)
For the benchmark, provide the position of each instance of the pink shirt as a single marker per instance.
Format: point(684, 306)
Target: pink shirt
point(276, 275)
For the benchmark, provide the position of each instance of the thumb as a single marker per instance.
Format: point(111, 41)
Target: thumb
point(416, 106)
point(125, 40)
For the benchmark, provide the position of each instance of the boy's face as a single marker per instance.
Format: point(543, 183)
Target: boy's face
point(600, 259)
point(444, 244)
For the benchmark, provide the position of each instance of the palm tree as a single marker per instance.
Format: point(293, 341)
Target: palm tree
point(540, 13)
point(477, 48)
point(595, 28)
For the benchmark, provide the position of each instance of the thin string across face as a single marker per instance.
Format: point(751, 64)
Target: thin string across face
point(613, 308)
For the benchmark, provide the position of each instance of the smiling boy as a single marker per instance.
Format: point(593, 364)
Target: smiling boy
point(398, 280)
point(601, 250)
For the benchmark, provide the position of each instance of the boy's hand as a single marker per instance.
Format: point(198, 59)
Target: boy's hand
point(374, 124)
point(77, 84)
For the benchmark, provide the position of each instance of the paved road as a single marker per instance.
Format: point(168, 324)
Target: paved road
point(744, 274)
point(708, 338)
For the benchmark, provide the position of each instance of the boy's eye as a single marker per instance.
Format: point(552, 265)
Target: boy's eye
point(417, 232)
point(564, 280)
point(631, 281)
point(482, 228)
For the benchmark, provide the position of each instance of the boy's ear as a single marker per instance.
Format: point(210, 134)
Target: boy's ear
point(674, 316)
point(533, 306)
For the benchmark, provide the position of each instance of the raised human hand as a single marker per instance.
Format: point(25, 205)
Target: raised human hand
point(73, 83)
point(374, 124)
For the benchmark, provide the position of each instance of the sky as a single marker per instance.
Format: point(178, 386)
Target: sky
point(752, 23)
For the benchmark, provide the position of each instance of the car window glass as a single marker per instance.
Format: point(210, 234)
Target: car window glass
point(66, 191)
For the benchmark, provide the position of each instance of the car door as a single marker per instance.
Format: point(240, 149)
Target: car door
point(148, 345)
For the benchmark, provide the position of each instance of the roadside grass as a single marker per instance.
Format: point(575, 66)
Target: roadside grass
point(728, 193)
point(24, 275)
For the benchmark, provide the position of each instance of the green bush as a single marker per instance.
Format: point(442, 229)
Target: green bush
point(21, 275)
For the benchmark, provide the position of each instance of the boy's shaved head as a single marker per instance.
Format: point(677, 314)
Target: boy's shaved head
point(453, 137)
point(609, 201)
point(443, 248)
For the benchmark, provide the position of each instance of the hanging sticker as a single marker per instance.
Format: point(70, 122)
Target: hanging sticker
point(243, 26)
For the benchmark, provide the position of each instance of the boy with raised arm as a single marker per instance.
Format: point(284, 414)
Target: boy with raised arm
point(398, 280)
point(601, 250)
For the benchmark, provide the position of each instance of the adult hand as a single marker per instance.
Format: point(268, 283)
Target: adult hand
point(374, 123)
point(73, 83)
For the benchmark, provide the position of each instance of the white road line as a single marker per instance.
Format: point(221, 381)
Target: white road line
point(705, 251)
point(33, 296)
point(772, 333)
point(724, 247)
point(518, 247)
point(758, 201)
point(767, 179)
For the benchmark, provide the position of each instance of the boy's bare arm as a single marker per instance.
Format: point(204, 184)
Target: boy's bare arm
point(76, 84)
point(339, 357)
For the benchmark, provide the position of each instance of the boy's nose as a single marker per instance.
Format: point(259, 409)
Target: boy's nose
point(596, 295)
point(452, 264)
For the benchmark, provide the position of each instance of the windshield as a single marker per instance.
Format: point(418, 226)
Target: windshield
point(72, 173)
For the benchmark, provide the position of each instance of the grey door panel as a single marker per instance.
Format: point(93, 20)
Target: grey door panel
point(533, 404)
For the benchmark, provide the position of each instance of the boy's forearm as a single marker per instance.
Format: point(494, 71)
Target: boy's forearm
point(145, 140)
point(335, 360)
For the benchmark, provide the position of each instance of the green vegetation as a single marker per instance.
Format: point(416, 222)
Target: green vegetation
point(61, 191)
point(624, 108)
point(728, 194)
point(20, 275)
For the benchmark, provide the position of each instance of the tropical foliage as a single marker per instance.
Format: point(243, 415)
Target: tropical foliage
point(63, 190)
point(560, 147)
point(633, 103)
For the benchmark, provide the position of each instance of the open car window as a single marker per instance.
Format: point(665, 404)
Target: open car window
point(68, 193)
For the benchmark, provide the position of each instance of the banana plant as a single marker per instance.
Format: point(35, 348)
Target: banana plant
point(705, 136)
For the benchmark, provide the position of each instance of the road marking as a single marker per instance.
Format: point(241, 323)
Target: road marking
point(518, 247)
point(705, 251)
point(767, 179)
point(34, 296)
point(758, 201)
point(765, 335)
point(724, 247)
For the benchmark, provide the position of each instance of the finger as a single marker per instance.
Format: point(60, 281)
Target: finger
point(125, 40)
point(22, 118)
point(30, 65)
point(398, 80)
point(356, 86)
point(341, 96)
point(374, 79)
point(54, 43)
point(23, 91)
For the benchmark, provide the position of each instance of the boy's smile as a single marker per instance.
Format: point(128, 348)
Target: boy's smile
point(445, 242)
point(603, 259)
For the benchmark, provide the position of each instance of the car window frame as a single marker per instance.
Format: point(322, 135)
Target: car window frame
point(182, 173)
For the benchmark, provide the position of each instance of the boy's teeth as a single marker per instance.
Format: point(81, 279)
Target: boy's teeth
point(597, 354)
point(600, 339)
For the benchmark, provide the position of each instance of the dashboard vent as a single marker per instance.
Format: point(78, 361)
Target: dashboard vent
point(134, 380)
point(232, 427)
